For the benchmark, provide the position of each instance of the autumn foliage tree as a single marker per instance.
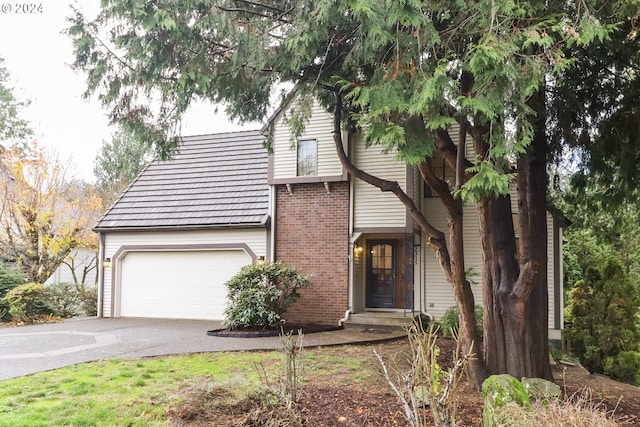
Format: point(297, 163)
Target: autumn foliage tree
point(41, 219)
point(83, 260)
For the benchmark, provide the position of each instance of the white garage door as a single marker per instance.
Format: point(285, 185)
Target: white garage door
point(178, 285)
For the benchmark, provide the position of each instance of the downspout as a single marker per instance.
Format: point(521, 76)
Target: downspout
point(352, 239)
point(271, 256)
point(347, 313)
point(345, 318)
point(101, 240)
point(423, 269)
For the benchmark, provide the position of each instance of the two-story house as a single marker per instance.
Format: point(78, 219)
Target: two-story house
point(186, 225)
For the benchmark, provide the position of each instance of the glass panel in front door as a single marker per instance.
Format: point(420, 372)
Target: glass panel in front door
point(381, 275)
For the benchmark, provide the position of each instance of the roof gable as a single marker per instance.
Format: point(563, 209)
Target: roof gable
point(217, 180)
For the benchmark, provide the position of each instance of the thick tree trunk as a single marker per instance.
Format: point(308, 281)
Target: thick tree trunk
point(532, 198)
point(514, 297)
point(503, 307)
point(515, 287)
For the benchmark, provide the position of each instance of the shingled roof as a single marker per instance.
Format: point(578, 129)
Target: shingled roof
point(212, 181)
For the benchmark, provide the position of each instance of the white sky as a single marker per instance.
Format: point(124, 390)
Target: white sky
point(37, 56)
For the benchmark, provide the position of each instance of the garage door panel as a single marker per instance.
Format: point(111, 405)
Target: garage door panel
point(187, 284)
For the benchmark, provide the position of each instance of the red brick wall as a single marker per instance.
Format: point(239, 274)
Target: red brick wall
point(312, 235)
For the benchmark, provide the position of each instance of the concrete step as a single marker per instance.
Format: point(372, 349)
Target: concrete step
point(393, 320)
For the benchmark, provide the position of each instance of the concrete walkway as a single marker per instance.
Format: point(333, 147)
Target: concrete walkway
point(26, 350)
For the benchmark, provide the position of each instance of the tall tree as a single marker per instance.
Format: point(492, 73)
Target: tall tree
point(118, 163)
point(41, 220)
point(82, 261)
point(13, 128)
point(595, 110)
point(403, 72)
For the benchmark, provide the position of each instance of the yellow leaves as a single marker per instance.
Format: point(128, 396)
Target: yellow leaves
point(44, 215)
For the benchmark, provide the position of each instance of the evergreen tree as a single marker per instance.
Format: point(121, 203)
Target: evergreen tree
point(13, 128)
point(118, 163)
point(604, 315)
point(403, 72)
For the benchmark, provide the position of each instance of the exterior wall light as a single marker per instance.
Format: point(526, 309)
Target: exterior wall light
point(260, 260)
point(106, 263)
point(357, 248)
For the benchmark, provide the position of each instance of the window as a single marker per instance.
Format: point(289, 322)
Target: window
point(382, 257)
point(443, 171)
point(307, 157)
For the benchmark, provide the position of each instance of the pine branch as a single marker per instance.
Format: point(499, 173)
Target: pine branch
point(254, 13)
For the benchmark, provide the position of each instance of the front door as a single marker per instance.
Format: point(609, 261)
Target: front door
point(381, 274)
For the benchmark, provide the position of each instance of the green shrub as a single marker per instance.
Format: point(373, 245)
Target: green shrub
point(604, 309)
point(29, 302)
point(260, 293)
point(89, 299)
point(65, 298)
point(451, 323)
point(9, 279)
point(625, 367)
point(74, 299)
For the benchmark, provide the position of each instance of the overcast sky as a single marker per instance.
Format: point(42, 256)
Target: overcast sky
point(37, 56)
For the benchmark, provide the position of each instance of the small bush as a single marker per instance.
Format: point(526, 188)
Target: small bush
point(9, 279)
point(29, 302)
point(625, 367)
point(427, 383)
point(451, 323)
point(89, 299)
point(74, 300)
point(65, 297)
point(260, 293)
point(245, 403)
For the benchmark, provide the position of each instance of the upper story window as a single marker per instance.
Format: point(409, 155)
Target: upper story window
point(307, 157)
point(442, 171)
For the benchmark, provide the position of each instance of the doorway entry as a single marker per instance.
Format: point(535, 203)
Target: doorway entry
point(385, 281)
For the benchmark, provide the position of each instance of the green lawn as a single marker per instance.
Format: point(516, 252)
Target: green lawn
point(128, 392)
point(138, 392)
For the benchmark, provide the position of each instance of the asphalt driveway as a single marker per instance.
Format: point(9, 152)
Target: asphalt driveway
point(26, 350)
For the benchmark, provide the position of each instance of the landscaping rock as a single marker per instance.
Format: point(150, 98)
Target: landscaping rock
point(541, 391)
point(499, 390)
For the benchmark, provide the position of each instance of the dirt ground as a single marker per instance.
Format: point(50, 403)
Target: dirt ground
point(338, 400)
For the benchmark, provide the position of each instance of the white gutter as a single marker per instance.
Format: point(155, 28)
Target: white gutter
point(272, 208)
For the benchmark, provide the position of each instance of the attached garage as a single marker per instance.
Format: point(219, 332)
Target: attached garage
point(184, 227)
point(180, 284)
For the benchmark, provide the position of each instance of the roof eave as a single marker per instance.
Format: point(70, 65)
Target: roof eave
point(260, 224)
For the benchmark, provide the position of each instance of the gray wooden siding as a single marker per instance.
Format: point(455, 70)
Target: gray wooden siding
point(373, 208)
point(319, 127)
point(437, 294)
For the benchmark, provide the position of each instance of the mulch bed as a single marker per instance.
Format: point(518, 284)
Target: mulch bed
point(273, 331)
